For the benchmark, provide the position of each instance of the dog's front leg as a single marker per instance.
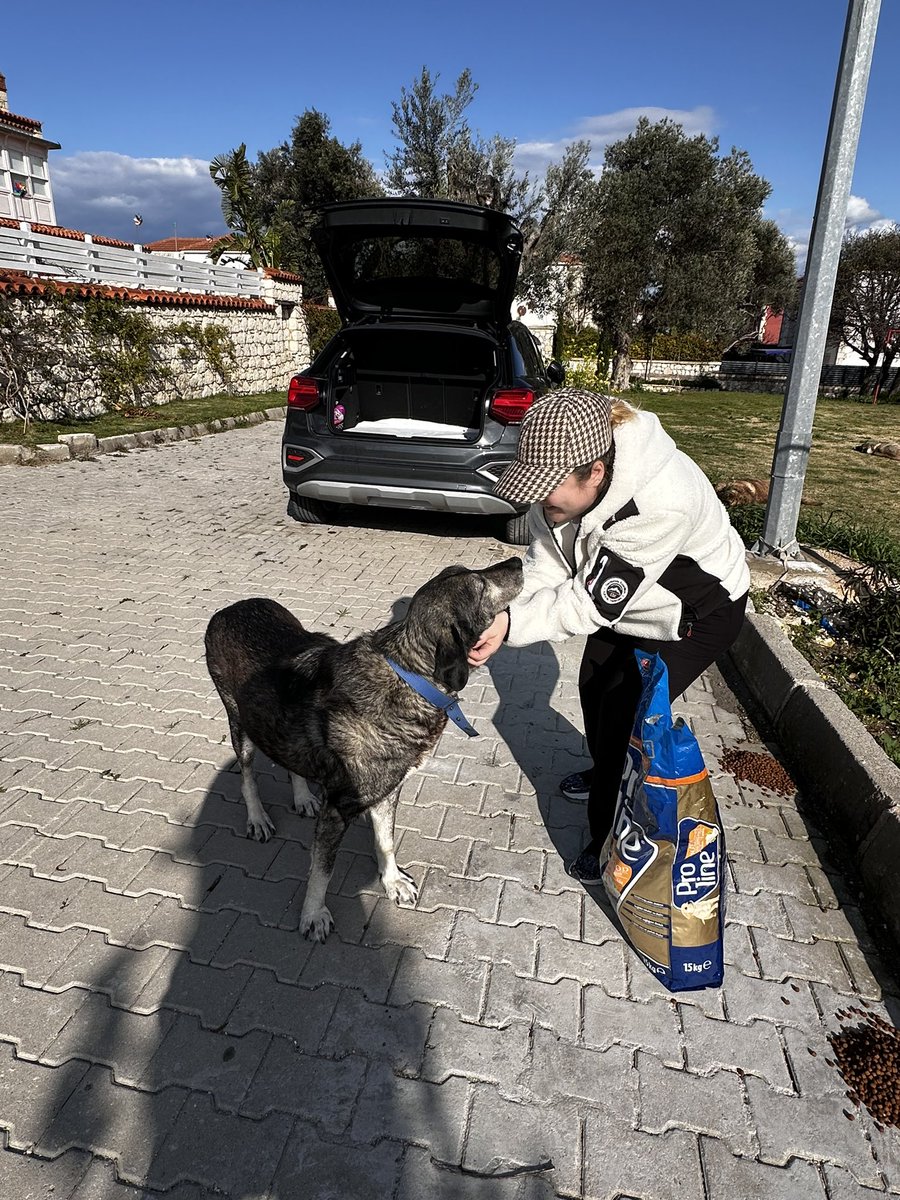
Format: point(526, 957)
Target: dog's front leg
point(398, 885)
point(315, 920)
point(306, 803)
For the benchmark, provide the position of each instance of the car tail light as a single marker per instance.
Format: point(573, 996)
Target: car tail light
point(511, 404)
point(303, 392)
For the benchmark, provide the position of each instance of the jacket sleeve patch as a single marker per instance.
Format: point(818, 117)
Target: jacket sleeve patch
point(612, 582)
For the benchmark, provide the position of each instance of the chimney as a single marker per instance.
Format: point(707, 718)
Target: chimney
point(4, 97)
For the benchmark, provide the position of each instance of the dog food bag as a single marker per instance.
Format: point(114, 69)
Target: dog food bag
point(663, 863)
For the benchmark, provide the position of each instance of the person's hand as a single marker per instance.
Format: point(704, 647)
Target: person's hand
point(490, 640)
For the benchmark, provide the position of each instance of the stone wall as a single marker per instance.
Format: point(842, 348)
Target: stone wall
point(269, 335)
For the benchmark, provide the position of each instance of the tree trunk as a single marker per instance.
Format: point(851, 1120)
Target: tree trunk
point(884, 375)
point(620, 376)
point(869, 378)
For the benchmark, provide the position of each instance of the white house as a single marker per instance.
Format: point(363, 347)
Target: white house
point(25, 191)
point(196, 249)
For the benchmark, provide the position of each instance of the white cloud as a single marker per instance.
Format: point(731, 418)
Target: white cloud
point(797, 225)
point(605, 128)
point(99, 192)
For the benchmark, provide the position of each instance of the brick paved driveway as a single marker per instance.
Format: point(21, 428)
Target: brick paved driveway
point(164, 1028)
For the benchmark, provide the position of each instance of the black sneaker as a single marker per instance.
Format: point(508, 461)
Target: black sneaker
point(577, 786)
point(586, 868)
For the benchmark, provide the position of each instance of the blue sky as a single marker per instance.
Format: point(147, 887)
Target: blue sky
point(142, 96)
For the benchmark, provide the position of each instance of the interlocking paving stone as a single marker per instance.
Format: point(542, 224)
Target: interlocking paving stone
point(729, 1175)
point(653, 1025)
point(483, 1052)
point(506, 1134)
point(333, 1168)
point(453, 984)
point(143, 936)
point(28, 1178)
point(555, 1006)
point(621, 1161)
point(31, 1018)
point(712, 1104)
point(102, 1033)
point(377, 1031)
point(221, 1151)
point(757, 1051)
point(426, 1114)
point(95, 964)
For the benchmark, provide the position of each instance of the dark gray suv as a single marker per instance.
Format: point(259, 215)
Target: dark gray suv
point(416, 401)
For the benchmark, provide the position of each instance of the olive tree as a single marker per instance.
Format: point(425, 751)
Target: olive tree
point(679, 243)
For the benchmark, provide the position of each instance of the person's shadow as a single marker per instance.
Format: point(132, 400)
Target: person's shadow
point(538, 705)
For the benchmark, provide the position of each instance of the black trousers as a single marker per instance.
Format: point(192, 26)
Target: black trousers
point(610, 686)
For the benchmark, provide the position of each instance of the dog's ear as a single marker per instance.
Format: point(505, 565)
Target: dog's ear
point(451, 669)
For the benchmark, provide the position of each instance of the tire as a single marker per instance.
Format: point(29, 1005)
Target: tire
point(517, 530)
point(303, 508)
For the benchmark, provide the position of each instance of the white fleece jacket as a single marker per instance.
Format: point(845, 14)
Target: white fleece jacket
point(656, 554)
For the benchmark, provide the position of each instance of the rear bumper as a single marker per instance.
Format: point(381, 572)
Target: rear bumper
point(432, 499)
point(434, 476)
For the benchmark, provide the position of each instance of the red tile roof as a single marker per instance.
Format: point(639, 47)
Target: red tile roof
point(21, 284)
point(29, 124)
point(188, 243)
point(59, 231)
point(285, 276)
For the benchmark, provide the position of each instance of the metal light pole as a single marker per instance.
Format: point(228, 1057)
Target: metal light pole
point(795, 432)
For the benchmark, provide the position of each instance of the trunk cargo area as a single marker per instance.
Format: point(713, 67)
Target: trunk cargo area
point(410, 381)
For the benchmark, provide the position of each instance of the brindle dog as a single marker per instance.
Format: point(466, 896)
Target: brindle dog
point(338, 714)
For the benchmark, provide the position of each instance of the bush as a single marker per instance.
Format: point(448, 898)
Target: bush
point(577, 343)
point(587, 378)
point(677, 347)
point(53, 343)
point(323, 323)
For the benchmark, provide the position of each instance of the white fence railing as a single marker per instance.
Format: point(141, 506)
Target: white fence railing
point(85, 261)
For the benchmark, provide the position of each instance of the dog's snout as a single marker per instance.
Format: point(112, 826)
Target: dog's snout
point(508, 564)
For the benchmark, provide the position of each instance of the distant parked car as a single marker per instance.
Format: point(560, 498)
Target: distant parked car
point(416, 402)
point(758, 352)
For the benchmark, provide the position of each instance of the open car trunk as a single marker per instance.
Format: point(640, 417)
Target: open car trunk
point(412, 381)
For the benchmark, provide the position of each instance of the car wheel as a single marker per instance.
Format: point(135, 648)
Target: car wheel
point(517, 530)
point(302, 508)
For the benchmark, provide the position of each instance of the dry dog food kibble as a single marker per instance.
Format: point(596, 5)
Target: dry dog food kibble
point(761, 769)
point(868, 1058)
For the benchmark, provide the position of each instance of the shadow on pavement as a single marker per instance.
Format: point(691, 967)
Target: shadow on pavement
point(546, 746)
point(249, 1061)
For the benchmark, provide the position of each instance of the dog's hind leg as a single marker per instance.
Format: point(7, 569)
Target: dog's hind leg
point(315, 920)
point(306, 802)
point(399, 886)
point(258, 824)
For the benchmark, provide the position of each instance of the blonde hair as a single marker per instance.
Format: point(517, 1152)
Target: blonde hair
point(621, 412)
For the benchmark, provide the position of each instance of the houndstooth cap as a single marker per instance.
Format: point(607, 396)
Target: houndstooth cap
point(561, 431)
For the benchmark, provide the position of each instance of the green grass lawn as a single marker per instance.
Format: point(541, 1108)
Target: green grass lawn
point(179, 412)
point(732, 436)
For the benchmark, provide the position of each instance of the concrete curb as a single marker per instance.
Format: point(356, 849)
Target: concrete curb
point(70, 446)
point(832, 755)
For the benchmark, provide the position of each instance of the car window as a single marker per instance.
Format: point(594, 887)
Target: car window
point(393, 257)
point(529, 361)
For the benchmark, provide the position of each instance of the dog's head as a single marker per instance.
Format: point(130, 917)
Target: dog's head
point(447, 615)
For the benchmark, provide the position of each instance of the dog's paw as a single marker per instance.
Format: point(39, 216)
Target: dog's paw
point(401, 888)
point(260, 828)
point(316, 926)
point(309, 806)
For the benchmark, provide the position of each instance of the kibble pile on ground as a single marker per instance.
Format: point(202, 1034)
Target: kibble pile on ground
point(868, 1058)
point(761, 769)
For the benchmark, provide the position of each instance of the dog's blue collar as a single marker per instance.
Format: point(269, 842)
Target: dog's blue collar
point(435, 696)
